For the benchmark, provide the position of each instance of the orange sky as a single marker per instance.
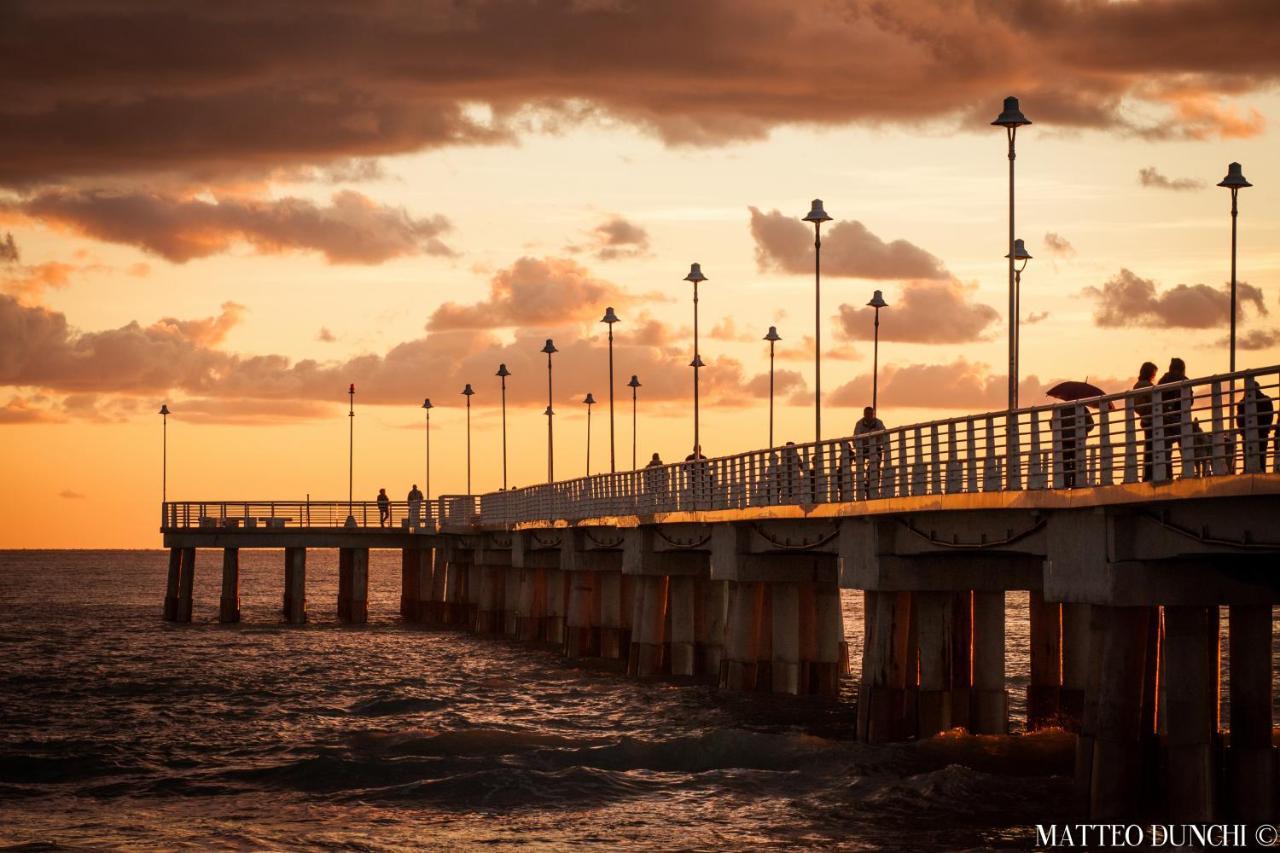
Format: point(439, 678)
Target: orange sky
point(240, 212)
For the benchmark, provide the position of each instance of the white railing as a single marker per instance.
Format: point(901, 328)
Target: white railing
point(1208, 427)
point(241, 515)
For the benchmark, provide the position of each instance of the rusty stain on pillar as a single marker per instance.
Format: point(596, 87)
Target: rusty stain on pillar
point(1251, 758)
point(1191, 643)
point(610, 596)
point(173, 584)
point(883, 713)
point(683, 637)
point(295, 585)
point(229, 605)
point(648, 633)
point(186, 585)
point(580, 637)
point(423, 558)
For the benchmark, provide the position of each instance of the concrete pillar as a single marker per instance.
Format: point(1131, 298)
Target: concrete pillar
point(961, 658)
point(488, 599)
point(828, 630)
point(710, 613)
point(683, 596)
point(1251, 758)
point(934, 633)
point(439, 585)
point(882, 701)
point(785, 660)
point(408, 584)
point(1046, 661)
point(295, 585)
point(740, 667)
point(1089, 713)
point(511, 587)
point(648, 632)
point(1075, 665)
point(581, 639)
point(474, 582)
point(556, 586)
point(353, 585)
point(423, 560)
point(1191, 642)
point(610, 584)
point(186, 585)
point(989, 709)
point(173, 585)
point(531, 611)
point(628, 611)
point(455, 604)
point(1120, 645)
point(229, 608)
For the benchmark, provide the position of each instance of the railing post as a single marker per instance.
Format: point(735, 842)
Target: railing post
point(1106, 454)
point(1220, 439)
point(971, 447)
point(1253, 462)
point(1186, 440)
point(1013, 453)
point(1131, 442)
point(955, 475)
point(1035, 467)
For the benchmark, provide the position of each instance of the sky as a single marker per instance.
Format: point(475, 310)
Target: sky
point(238, 210)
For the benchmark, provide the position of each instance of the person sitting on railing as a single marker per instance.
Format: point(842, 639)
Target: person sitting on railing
point(1255, 436)
point(870, 441)
point(1065, 423)
point(1142, 405)
point(1171, 401)
point(384, 508)
point(415, 506)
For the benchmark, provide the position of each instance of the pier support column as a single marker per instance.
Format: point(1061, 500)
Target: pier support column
point(229, 607)
point(489, 599)
point(295, 585)
point(555, 586)
point(882, 697)
point(422, 560)
point(1115, 771)
point(740, 666)
point(408, 584)
point(648, 634)
point(989, 713)
point(785, 660)
point(610, 584)
point(353, 585)
point(1191, 640)
point(435, 614)
point(934, 633)
point(962, 659)
point(531, 611)
point(683, 596)
point(1046, 661)
point(1075, 664)
point(712, 607)
point(455, 596)
point(511, 585)
point(186, 586)
point(1251, 758)
point(581, 638)
point(173, 585)
point(824, 669)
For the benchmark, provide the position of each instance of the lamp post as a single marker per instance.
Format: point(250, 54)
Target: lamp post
point(502, 375)
point(695, 275)
point(817, 216)
point(1020, 253)
point(427, 407)
point(164, 454)
point(468, 392)
point(877, 302)
point(633, 385)
point(1011, 118)
point(1235, 182)
point(772, 337)
point(611, 318)
point(351, 455)
point(549, 348)
point(590, 401)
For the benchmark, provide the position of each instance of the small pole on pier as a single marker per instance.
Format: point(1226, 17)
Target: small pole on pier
point(695, 275)
point(817, 216)
point(772, 337)
point(549, 348)
point(877, 302)
point(427, 407)
point(590, 401)
point(1011, 118)
point(633, 385)
point(164, 454)
point(1019, 254)
point(502, 375)
point(468, 392)
point(351, 455)
point(1234, 181)
point(611, 318)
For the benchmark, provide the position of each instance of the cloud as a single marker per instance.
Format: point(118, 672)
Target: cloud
point(961, 384)
point(352, 229)
point(248, 411)
point(619, 238)
point(1035, 317)
point(30, 282)
point(1058, 245)
point(27, 410)
point(785, 243)
point(1252, 340)
point(207, 331)
point(8, 250)
point(1129, 300)
point(925, 312)
point(325, 336)
point(1151, 177)
point(533, 293)
point(803, 351)
point(786, 383)
point(68, 494)
point(727, 330)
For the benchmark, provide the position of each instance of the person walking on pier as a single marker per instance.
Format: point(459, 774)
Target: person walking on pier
point(1255, 435)
point(384, 508)
point(869, 440)
point(1142, 405)
point(415, 506)
point(1171, 401)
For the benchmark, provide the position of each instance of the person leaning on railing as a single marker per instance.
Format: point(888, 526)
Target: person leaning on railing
point(1255, 436)
point(1142, 405)
point(1172, 408)
point(869, 440)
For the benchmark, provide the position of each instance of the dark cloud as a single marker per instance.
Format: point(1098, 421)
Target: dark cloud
point(785, 243)
point(1253, 340)
point(1151, 177)
point(352, 229)
point(923, 312)
point(1129, 300)
point(1058, 245)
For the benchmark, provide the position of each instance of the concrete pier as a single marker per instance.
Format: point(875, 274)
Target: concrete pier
point(353, 585)
point(1251, 758)
point(229, 605)
point(295, 585)
point(989, 712)
point(611, 610)
point(1115, 768)
point(883, 713)
point(1045, 686)
point(409, 579)
point(682, 644)
point(1076, 636)
point(710, 623)
point(173, 584)
point(648, 636)
point(934, 636)
point(186, 585)
point(1191, 635)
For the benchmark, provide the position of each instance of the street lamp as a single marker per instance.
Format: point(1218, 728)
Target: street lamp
point(633, 385)
point(502, 375)
point(1020, 253)
point(427, 407)
point(351, 456)
point(817, 216)
point(695, 275)
point(467, 392)
point(1011, 118)
point(549, 348)
point(772, 337)
point(877, 302)
point(1235, 182)
point(611, 318)
point(590, 401)
point(164, 454)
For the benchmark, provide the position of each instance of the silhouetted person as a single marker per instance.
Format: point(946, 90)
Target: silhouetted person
point(1171, 406)
point(415, 505)
point(700, 480)
point(1202, 449)
point(1142, 405)
point(871, 443)
point(794, 472)
point(384, 508)
point(1255, 436)
point(1067, 424)
point(654, 478)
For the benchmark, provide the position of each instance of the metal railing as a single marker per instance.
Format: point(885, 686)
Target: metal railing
point(240, 515)
point(1210, 427)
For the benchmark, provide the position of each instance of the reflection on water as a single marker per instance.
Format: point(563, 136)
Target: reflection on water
point(118, 728)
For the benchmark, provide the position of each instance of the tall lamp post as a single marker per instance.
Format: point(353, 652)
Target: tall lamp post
point(468, 392)
point(590, 401)
point(1011, 118)
point(502, 375)
point(633, 385)
point(1235, 182)
point(877, 302)
point(549, 348)
point(772, 337)
point(611, 318)
point(351, 455)
point(695, 275)
point(817, 216)
point(1020, 254)
point(427, 407)
point(164, 455)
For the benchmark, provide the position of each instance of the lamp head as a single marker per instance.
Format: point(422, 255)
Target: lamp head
point(772, 336)
point(816, 213)
point(634, 383)
point(426, 404)
point(468, 390)
point(548, 411)
point(1235, 178)
point(1019, 252)
point(164, 409)
point(502, 371)
point(589, 400)
point(697, 362)
point(352, 389)
point(609, 316)
point(549, 347)
point(877, 301)
point(1011, 116)
point(695, 273)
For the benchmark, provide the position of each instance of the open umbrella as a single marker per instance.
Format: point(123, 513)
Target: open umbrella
point(1074, 390)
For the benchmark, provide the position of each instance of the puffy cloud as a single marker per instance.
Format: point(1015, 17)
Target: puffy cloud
point(1058, 245)
point(534, 292)
point(29, 282)
point(352, 229)
point(207, 331)
point(325, 336)
point(785, 243)
point(68, 494)
point(27, 410)
point(1129, 300)
point(786, 383)
point(619, 238)
point(8, 250)
point(925, 312)
point(1252, 340)
point(1152, 177)
point(962, 384)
